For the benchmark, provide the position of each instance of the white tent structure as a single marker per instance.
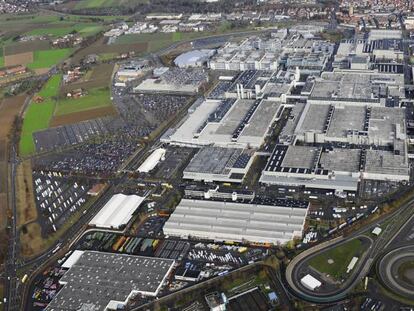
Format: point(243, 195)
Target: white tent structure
point(117, 211)
point(151, 162)
point(310, 282)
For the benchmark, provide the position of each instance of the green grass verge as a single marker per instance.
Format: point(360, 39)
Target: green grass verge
point(96, 98)
point(49, 58)
point(37, 116)
point(341, 255)
point(1, 61)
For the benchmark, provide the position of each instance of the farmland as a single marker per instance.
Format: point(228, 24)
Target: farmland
point(92, 4)
point(48, 58)
point(19, 59)
point(98, 77)
point(38, 115)
point(96, 98)
point(84, 30)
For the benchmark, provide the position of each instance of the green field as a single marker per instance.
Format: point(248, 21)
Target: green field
point(1, 61)
point(341, 255)
point(156, 41)
point(49, 58)
point(84, 30)
point(37, 116)
point(51, 88)
point(96, 98)
point(94, 4)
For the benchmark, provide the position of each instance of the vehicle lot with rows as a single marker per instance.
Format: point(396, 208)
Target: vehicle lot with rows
point(57, 198)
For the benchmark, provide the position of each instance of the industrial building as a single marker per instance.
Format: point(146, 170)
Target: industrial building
point(117, 211)
point(175, 81)
point(101, 281)
point(310, 282)
point(219, 164)
point(252, 53)
point(364, 87)
point(229, 221)
point(228, 123)
point(194, 58)
point(360, 125)
point(132, 70)
point(219, 193)
point(151, 162)
point(339, 169)
point(289, 49)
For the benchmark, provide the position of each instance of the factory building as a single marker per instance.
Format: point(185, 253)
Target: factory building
point(105, 281)
point(219, 164)
point(359, 125)
point(241, 222)
point(117, 212)
point(241, 123)
point(339, 169)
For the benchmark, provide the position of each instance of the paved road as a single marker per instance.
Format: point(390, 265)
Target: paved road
point(12, 282)
point(397, 219)
point(388, 270)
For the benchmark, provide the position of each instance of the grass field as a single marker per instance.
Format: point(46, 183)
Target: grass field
point(94, 4)
point(96, 98)
point(51, 88)
point(341, 257)
point(37, 116)
point(84, 30)
point(26, 207)
point(159, 40)
point(1, 57)
point(49, 58)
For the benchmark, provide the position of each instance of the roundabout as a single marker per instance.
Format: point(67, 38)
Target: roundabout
point(396, 270)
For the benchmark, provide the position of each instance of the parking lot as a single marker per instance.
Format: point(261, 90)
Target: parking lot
point(57, 198)
point(73, 134)
point(174, 162)
point(46, 287)
point(92, 158)
point(152, 226)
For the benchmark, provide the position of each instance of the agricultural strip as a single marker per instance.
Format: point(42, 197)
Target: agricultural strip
point(82, 116)
point(95, 98)
point(38, 115)
point(49, 58)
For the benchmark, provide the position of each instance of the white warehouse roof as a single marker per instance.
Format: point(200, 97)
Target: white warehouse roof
point(310, 282)
point(73, 258)
point(117, 211)
point(239, 222)
point(151, 162)
point(193, 58)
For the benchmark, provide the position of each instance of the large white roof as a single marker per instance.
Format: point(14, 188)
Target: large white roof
point(117, 211)
point(73, 258)
point(310, 282)
point(151, 162)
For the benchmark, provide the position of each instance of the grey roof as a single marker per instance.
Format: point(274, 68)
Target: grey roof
point(236, 221)
point(97, 278)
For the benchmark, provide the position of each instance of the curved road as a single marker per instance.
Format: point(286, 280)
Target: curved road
point(388, 270)
point(398, 219)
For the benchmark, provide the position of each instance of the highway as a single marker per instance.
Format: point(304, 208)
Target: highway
point(397, 220)
point(12, 281)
